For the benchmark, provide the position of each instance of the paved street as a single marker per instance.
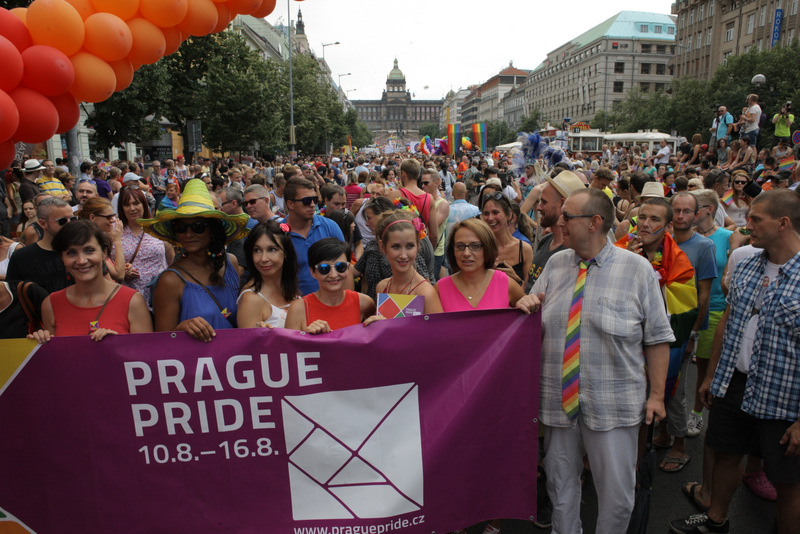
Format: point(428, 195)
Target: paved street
point(748, 515)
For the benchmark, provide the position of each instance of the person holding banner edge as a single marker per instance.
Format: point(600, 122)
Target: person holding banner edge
point(584, 342)
point(94, 305)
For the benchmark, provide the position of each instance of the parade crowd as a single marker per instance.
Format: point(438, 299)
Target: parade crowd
point(642, 261)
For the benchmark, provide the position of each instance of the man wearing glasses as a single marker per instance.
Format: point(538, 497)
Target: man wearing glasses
point(307, 228)
point(39, 263)
point(256, 202)
point(601, 310)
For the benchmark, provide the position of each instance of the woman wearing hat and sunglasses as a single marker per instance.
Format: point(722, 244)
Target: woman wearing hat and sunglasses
point(332, 306)
point(198, 293)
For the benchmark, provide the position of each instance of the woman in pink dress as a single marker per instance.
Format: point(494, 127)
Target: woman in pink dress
point(474, 284)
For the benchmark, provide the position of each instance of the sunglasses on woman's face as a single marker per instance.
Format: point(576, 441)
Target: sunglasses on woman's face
point(197, 227)
point(325, 268)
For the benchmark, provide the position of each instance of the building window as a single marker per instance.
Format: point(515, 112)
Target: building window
point(644, 87)
point(646, 48)
point(657, 29)
point(670, 30)
point(661, 69)
point(660, 87)
point(793, 9)
point(725, 57)
point(701, 13)
point(790, 36)
point(619, 87)
point(751, 22)
point(708, 37)
point(619, 67)
point(689, 43)
point(691, 17)
point(762, 18)
point(729, 32)
point(645, 68)
point(661, 49)
point(644, 28)
point(711, 8)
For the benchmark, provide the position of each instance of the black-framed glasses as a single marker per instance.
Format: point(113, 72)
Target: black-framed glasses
point(568, 217)
point(474, 247)
point(197, 227)
point(325, 268)
point(251, 202)
point(227, 202)
point(307, 201)
point(740, 182)
point(425, 184)
point(64, 220)
point(110, 217)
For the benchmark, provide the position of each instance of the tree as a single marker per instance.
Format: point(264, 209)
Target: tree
point(133, 113)
point(430, 129)
point(531, 123)
point(357, 130)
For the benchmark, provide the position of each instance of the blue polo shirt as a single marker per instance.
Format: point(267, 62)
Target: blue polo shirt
point(320, 229)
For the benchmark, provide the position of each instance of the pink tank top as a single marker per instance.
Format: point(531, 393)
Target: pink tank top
point(494, 298)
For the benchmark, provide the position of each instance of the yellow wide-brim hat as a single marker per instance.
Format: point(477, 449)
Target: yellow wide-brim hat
point(194, 202)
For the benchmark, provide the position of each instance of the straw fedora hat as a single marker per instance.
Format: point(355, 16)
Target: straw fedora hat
point(194, 202)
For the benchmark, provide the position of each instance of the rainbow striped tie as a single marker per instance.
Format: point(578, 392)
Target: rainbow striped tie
point(570, 373)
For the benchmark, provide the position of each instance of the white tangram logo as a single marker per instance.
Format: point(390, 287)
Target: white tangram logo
point(354, 453)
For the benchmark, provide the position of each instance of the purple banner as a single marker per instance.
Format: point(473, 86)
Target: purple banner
point(414, 425)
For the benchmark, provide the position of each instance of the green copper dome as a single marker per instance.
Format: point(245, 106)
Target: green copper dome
point(396, 73)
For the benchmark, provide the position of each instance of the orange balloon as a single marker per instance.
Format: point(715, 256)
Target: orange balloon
point(84, 7)
point(94, 78)
point(224, 17)
point(21, 13)
point(124, 9)
point(148, 42)
point(267, 7)
point(123, 69)
point(174, 38)
point(107, 37)
point(164, 13)
point(201, 19)
point(244, 7)
point(56, 23)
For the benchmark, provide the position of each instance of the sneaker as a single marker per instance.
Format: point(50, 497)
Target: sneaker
point(489, 529)
point(544, 519)
point(695, 425)
point(699, 524)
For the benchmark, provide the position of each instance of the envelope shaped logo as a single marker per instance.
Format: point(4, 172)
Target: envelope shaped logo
point(354, 454)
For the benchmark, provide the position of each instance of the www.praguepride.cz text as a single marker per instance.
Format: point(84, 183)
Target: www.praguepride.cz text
point(397, 524)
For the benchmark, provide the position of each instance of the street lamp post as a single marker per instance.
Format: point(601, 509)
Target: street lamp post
point(340, 77)
point(328, 44)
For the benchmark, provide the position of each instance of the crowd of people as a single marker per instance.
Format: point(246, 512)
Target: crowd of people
point(642, 262)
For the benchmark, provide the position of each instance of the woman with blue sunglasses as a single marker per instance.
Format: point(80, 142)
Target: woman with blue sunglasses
point(332, 306)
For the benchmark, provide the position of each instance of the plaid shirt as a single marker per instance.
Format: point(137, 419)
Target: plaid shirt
point(622, 311)
point(773, 383)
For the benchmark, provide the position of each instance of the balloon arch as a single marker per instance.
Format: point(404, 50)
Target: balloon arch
point(57, 53)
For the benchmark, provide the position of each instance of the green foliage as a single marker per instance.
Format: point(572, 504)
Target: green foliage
point(532, 122)
point(241, 99)
point(688, 109)
point(133, 113)
point(498, 133)
point(430, 129)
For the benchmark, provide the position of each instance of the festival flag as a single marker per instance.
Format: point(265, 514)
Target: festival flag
point(453, 135)
point(350, 144)
point(786, 163)
point(727, 198)
point(676, 277)
point(479, 135)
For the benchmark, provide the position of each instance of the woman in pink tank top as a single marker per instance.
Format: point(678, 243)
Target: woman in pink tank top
point(474, 285)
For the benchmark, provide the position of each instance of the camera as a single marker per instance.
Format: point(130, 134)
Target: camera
point(787, 107)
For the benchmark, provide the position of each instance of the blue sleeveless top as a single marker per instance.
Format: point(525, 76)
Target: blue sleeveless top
point(195, 302)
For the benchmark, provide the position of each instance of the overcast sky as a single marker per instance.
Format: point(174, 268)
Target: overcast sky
point(443, 44)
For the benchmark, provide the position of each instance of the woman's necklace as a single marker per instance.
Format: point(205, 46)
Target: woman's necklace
point(403, 291)
point(485, 278)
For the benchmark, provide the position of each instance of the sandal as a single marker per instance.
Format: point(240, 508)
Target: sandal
point(690, 491)
point(760, 485)
point(679, 462)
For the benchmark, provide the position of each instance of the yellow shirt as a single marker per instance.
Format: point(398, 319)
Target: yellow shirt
point(51, 186)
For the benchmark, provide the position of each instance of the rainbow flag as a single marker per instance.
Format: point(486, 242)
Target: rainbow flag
point(727, 198)
point(453, 135)
point(786, 163)
point(479, 135)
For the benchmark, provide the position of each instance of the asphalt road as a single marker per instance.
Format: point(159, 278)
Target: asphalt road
point(748, 514)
